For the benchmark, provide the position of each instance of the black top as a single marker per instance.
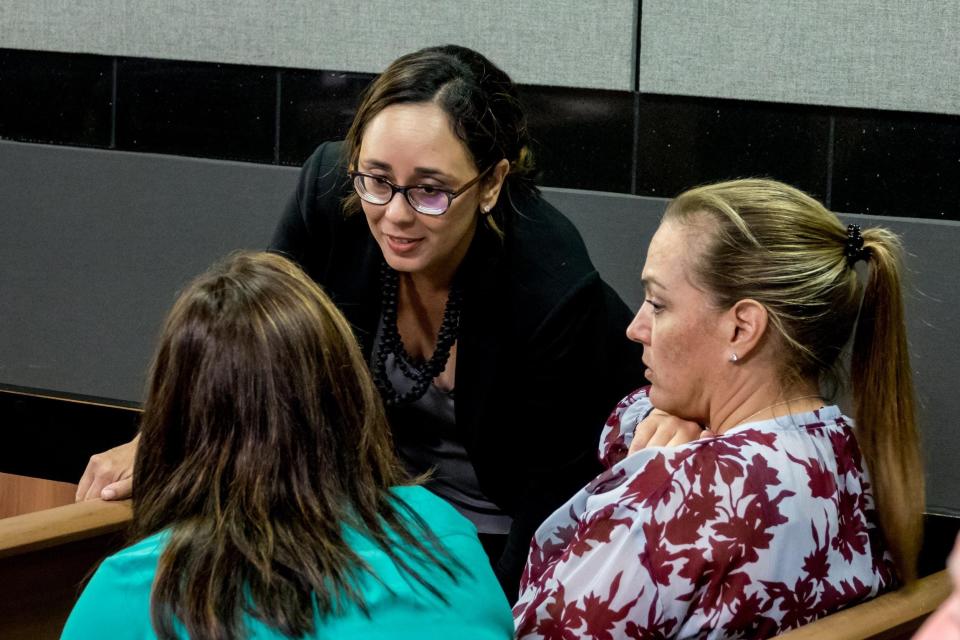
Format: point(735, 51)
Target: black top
point(542, 356)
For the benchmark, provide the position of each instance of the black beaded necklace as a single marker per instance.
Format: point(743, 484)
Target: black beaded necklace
point(390, 342)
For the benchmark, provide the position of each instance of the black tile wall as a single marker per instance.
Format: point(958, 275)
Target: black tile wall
point(316, 106)
point(684, 142)
point(196, 109)
point(905, 164)
point(897, 164)
point(939, 534)
point(55, 97)
point(582, 138)
point(53, 438)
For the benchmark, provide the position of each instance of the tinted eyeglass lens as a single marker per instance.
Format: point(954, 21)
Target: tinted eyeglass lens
point(372, 189)
point(429, 201)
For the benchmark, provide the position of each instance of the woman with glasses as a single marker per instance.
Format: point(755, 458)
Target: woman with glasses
point(495, 345)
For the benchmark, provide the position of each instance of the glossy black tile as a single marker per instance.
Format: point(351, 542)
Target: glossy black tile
point(684, 142)
point(939, 534)
point(196, 109)
point(316, 106)
point(582, 137)
point(900, 164)
point(53, 437)
point(58, 98)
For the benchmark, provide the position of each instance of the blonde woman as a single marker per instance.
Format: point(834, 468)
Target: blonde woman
point(789, 511)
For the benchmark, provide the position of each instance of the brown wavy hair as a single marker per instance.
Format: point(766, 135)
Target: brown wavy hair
point(481, 102)
point(263, 437)
point(779, 246)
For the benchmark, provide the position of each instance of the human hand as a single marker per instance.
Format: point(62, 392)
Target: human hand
point(953, 562)
point(952, 604)
point(660, 429)
point(944, 623)
point(109, 475)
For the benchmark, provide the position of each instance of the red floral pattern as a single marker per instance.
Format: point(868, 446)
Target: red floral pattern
point(745, 535)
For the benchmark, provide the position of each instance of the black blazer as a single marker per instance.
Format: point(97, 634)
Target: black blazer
point(542, 356)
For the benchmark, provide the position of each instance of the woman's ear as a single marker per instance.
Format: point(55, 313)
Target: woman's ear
point(748, 321)
point(492, 184)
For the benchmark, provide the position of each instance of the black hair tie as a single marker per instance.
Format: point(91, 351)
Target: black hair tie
point(854, 246)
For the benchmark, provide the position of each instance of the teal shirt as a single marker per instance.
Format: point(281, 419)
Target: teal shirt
point(116, 602)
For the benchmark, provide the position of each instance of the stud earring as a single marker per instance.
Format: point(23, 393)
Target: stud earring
point(734, 357)
point(484, 210)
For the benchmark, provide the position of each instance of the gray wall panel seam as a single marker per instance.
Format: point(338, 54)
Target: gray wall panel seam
point(635, 143)
point(638, 17)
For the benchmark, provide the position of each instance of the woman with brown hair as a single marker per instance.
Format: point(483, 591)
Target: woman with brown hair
point(788, 512)
point(270, 502)
point(473, 299)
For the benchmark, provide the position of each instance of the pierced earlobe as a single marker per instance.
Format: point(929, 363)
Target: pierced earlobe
point(734, 357)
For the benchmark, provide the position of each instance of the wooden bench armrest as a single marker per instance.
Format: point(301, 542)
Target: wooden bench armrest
point(881, 617)
point(51, 527)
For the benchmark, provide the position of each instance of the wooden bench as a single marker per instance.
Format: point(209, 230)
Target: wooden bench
point(45, 558)
point(23, 494)
point(891, 616)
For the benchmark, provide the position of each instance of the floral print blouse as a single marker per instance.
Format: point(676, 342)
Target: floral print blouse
point(762, 529)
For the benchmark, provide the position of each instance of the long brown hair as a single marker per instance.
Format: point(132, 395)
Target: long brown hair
point(480, 100)
point(777, 245)
point(262, 438)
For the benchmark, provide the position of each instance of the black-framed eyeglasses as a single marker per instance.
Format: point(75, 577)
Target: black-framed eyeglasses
point(429, 200)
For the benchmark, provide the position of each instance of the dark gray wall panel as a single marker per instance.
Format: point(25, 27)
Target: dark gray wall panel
point(616, 229)
point(95, 244)
point(931, 291)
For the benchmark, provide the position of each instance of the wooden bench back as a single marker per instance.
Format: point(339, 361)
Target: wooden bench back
point(46, 556)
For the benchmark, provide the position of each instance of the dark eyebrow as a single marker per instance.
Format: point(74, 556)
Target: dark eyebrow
point(432, 173)
point(424, 172)
point(375, 164)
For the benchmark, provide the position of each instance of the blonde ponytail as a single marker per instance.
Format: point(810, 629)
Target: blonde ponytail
point(882, 387)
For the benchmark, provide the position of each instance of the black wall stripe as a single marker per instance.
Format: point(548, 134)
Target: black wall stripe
point(866, 161)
